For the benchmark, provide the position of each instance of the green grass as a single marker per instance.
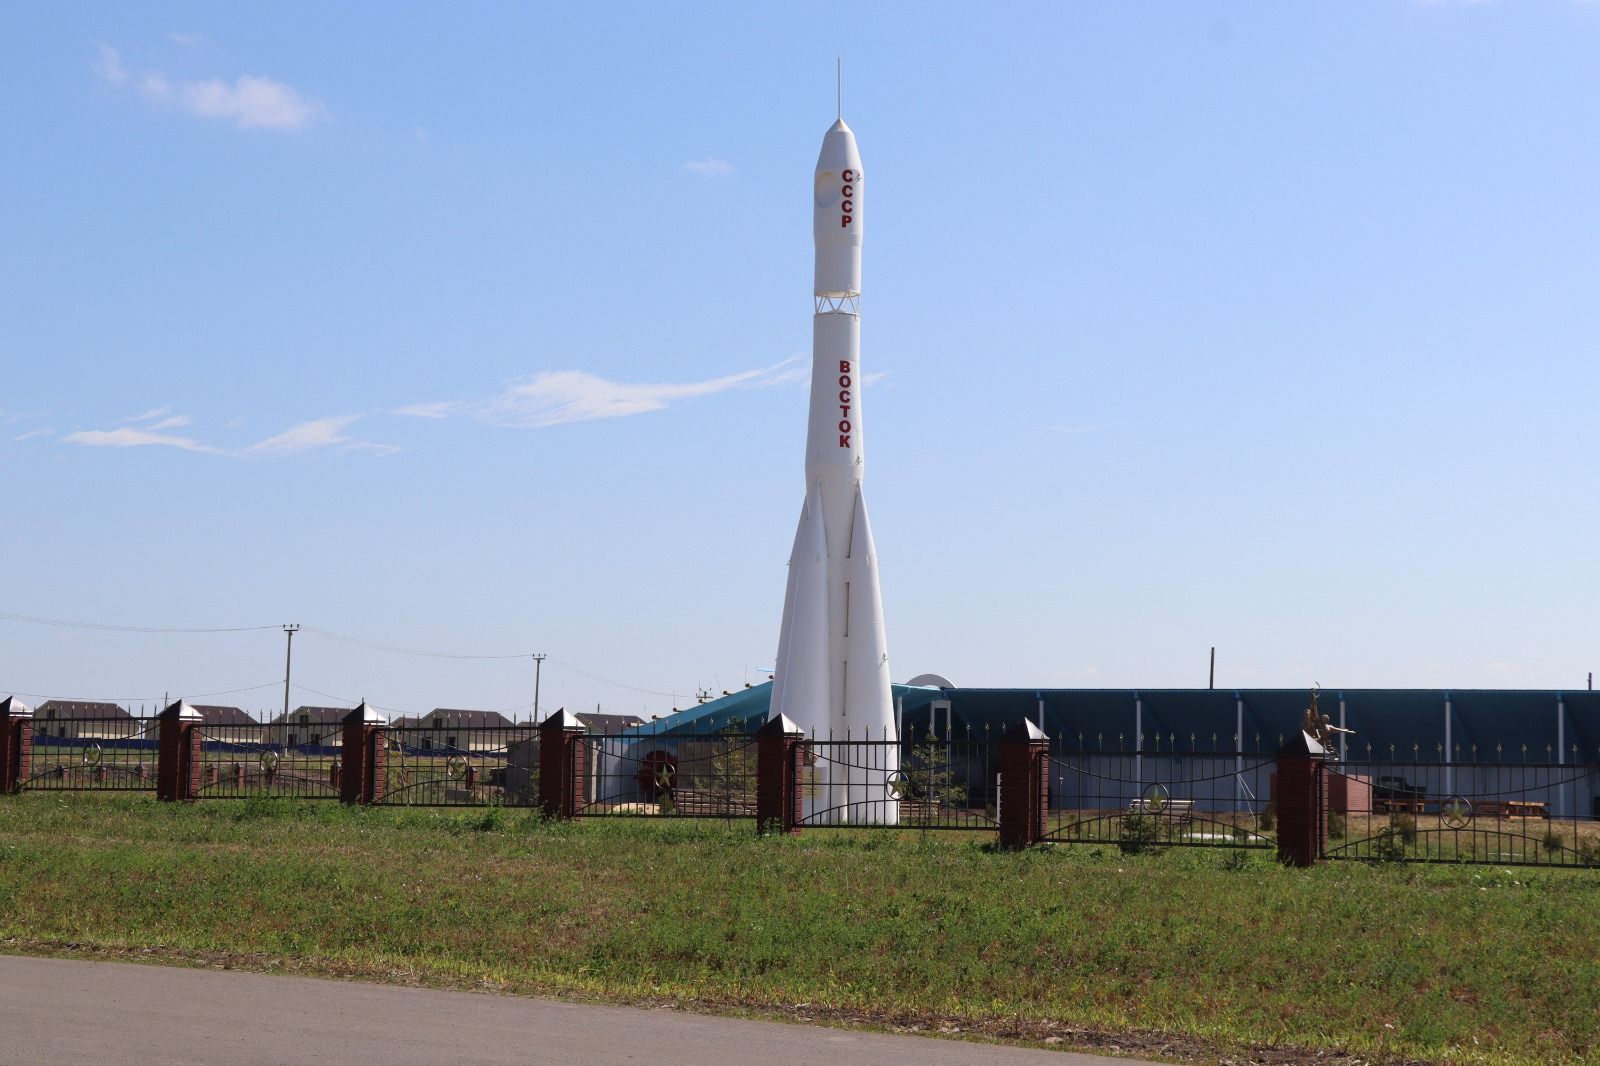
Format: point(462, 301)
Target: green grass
point(1216, 948)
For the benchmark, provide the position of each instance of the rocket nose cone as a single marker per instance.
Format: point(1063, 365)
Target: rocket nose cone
point(838, 149)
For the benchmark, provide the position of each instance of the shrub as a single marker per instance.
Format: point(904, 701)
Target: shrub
point(1390, 844)
point(1139, 831)
point(1403, 826)
point(1236, 860)
point(1336, 825)
point(1269, 817)
point(1553, 840)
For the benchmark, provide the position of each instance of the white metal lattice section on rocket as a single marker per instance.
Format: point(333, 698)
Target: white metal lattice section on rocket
point(832, 675)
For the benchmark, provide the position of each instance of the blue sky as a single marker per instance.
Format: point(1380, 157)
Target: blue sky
point(1265, 326)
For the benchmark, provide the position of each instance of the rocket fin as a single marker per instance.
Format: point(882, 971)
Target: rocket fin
point(803, 655)
point(868, 699)
point(780, 672)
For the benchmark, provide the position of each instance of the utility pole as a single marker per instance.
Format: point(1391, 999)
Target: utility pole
point(288, 661)
point(1211, 679)
point(538, 668)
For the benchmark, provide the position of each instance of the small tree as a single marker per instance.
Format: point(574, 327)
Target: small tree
point(733, 770)
point(930, 778)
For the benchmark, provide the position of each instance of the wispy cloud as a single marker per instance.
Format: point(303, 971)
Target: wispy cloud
point(710, 168)
point(305, 436)
point(189, 40)
point(301, 437)
point(249, 101)
point(32, 433)
point(439, 409)
point(110, 66)
point(560, 397)
point(133, 437)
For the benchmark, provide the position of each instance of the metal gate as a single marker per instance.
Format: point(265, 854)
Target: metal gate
point(1504, 814)
point(453, 765)
point(931, 783)
point(257, 760)
point(709, 775)
point(93, 755)
point(1139, 799)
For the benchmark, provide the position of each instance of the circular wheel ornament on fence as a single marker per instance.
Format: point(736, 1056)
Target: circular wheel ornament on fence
point(899, 784)
point(92, 755)
point(1155, 799)
point(456, 767)
point(1456, 812)
point(657, 771)
point(269, 761)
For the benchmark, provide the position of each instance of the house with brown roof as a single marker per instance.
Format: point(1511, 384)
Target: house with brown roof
point(456, 729)
point(228, 724)
point(609, 724)
point(85, 720)
point(309, 727)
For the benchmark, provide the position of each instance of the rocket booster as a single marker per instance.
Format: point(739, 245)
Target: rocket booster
point(832, 675)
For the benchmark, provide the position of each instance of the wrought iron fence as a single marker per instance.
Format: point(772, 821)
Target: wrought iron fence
point(1136, 799)
point(461, 765)
point(927, 782)
point(685, 775)
point(94, 754)
point(1501, 813)
point(260, 760)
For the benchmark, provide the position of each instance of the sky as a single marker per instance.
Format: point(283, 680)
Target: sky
point(485, 331)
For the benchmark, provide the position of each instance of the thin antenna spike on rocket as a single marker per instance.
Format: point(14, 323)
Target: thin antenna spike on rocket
point(838, 87)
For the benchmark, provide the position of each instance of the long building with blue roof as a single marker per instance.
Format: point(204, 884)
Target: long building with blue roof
point(1465, 725)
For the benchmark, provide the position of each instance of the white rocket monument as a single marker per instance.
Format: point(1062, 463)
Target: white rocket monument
point(832, 675)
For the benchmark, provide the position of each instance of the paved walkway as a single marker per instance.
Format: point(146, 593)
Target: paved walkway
point(60, 1010)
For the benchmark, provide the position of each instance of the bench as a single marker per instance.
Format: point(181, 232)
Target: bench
point(1512, 809)
point(1179, 811)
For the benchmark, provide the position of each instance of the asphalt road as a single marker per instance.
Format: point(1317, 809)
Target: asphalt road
point(60, 1010)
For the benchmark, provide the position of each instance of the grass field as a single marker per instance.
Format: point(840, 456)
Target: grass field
point(1196, 953)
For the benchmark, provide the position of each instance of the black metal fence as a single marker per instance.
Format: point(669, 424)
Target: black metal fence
point(461, 766)
point(928, 783)
point(1191, 799)
point(685, 775)
point(94, 754)
point(257, 760)
point(1510, 813)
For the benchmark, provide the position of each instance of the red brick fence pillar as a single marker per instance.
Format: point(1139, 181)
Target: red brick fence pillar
point(16, 743)
point(1301, 801)
point(780, 784)
point(1024, 785)
point(363, 756)
point(560, 765)
point(178, 761)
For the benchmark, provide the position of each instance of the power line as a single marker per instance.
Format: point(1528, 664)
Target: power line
point(398, 650)
point(346, 699)
point(341, 638)
point(607, 681)
point(67, 623)
point(144, 699)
